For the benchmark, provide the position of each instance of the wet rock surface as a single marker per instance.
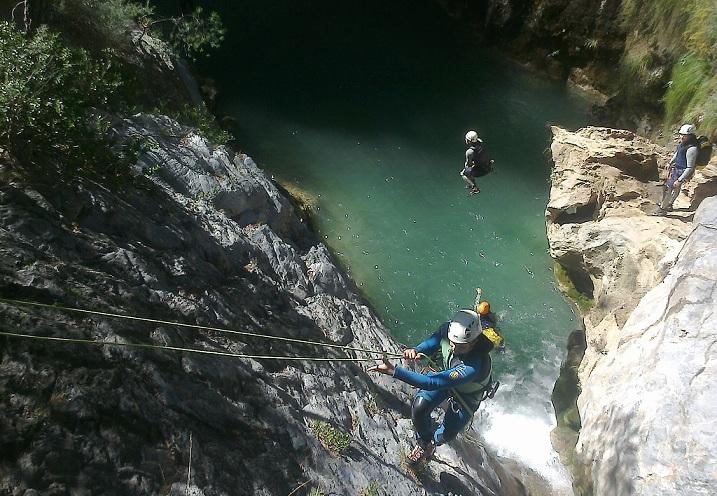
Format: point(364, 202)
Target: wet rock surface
point(196, 234)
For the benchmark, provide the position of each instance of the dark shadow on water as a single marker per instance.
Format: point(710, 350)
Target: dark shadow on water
point(371, 69)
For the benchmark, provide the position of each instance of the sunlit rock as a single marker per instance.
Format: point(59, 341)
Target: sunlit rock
point(647, 377)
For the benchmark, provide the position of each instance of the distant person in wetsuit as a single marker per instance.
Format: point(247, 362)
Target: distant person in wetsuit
point(477, 161)
point(464, 378)
point(489, 323)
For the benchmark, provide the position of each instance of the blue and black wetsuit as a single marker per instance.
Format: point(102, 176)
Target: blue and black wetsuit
point(462, 377)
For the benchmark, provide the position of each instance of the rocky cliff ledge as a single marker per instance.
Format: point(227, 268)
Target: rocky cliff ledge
point(198, 235)
point(647, 404)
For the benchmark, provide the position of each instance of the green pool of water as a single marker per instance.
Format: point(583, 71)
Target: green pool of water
point(364, 106)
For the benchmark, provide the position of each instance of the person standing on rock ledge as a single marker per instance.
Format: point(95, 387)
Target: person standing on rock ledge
point(477, 162)
point(464, 379)
point(680, 168)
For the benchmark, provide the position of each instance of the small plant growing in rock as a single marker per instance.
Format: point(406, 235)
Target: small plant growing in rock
point(583, 302)
point(332, 439)
point(370, 490)
point(591, 43)
point(371, 406)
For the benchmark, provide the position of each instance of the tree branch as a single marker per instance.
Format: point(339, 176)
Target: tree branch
point(12, 14)
point(26, 19)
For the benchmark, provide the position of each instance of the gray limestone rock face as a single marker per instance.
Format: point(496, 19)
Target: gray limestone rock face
point(647, 399)
point(600, 227)
point(196, 235)
point(649, 406)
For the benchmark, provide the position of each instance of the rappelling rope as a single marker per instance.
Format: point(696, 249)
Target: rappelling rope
point(177, 348)
point(193, 326)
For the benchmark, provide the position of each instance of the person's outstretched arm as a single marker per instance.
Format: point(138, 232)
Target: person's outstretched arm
point(447, 379)
point(428, 346)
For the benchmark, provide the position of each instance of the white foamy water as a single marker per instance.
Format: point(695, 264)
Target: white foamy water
point(360, 124)
point(526, 439)
point(516, 424)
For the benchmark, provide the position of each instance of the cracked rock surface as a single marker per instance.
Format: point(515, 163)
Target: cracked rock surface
point(647, 404)
point(196, 235)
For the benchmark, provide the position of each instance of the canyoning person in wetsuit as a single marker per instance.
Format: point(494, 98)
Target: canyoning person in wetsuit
point(680, 168)
point(464, 379)
point(489, 324)
point(477, 163)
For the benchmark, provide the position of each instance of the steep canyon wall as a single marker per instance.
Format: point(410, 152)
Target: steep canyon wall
point(648, 373)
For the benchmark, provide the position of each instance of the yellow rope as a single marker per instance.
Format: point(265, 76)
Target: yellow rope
point(176, 348)
point(193, 326)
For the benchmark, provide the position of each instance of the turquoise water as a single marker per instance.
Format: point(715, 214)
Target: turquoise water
point(364, 107)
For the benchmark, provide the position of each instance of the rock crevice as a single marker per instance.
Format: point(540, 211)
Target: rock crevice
point(649, 334)
point(196, 235)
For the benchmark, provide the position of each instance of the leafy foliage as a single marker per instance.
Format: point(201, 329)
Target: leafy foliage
point(52, 101)
point(200, 118)
point(57, 99)
point(109, 23)
point(680, 35)
point(332, 439)
point(194, 34)
point(105, 23)
point(688, 75)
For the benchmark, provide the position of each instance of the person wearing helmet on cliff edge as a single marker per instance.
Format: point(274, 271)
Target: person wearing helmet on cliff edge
point(477, 162)
point(464, 379)
point(680, 168)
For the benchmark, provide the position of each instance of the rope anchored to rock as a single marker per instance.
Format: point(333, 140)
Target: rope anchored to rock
point(8, 301)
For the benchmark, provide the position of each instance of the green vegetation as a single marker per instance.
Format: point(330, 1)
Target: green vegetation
point(194, 34)
point(199, 118)
point(370, 490)
point(583, 302)
point(332, 439)
point(52, 98)
point(75, 71)
point(680, 36)
point(110, 23)
point(688, 76)
point(96, 23)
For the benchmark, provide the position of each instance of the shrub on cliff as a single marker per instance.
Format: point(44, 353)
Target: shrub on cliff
point(52, 99)
point(673, 44)
point(109, 23)
point(63, 81)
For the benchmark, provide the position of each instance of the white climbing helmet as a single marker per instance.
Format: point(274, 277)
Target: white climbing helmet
point(471, 137)
point(464, 327)
point(687, 129)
